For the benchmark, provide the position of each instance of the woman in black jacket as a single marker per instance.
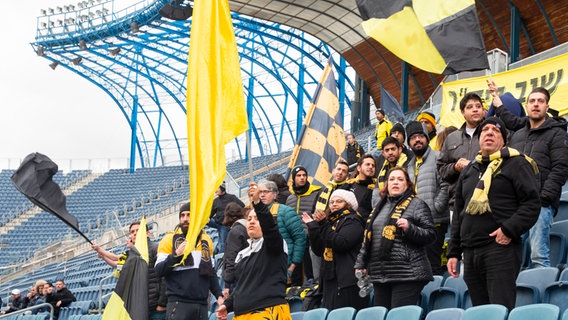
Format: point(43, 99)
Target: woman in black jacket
point(393, 251)
point(336, 237)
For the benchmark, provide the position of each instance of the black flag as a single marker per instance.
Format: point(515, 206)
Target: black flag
point(34, 180)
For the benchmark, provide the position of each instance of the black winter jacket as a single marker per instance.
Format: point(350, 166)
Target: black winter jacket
point(345, 242)
point(407, 260)
point(547, 145)
point(156, 284)
point(514, 206)
point(236, 241)
point(457, 145)
point(219, 205)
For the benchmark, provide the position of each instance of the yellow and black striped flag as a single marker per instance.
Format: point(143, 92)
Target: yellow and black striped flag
point(438, 36)
point(322, 140)
point(129, 300)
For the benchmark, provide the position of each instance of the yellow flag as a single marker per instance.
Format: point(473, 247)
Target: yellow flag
point(142, 240)
point(216, 111)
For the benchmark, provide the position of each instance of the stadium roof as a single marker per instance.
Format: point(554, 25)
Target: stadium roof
point(139, 59)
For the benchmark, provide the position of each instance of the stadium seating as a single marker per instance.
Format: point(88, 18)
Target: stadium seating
point(298, 315)
point(486, 312)
point(346, 313)
point(316, 314)
point(405, 313)
point(557, 293)
point(537, 279)
point(541, 311)
point(445, 314)
point(557, 249)
point(428, 288)
point(371, 313)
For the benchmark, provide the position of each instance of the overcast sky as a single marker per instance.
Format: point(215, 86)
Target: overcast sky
point(55, 112)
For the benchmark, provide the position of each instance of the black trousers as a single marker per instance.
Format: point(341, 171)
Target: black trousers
point(177, 310)
point(490, 273)
point(396, 294)
point(434, 250)
point(335, 298)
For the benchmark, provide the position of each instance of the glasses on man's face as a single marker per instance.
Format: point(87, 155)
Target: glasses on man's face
point(264, 191)
point(338, 201)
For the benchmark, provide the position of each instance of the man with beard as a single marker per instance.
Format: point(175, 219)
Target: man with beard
point(392, 155)
point(303, 198)
point(187, 284)
point(544, 139)
point(430, 188)
point(363, 184)
point(353, 149)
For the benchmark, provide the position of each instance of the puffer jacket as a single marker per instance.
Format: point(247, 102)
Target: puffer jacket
point(547, 145)
point(305, 202)
point(457, 145)
point(407, 260)
point(291, 229)
point(430, 187)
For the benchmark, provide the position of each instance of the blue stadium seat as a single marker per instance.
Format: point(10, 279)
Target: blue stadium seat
point(428, 288)
point(557, 249)
point(539, 278)
point(445, 314)
point(540, 311)
point(316, 314)
point(526, 295)
point(486, 312)
point(298, 315)
point(230, 315)
point(564, 315)
point(346, 313)
point(405, 313)
point(557, 294)
point(295, 304)
point(371, 313)
point(444, 297)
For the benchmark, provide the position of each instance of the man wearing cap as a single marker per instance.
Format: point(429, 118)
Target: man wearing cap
point(188, 283)
point(462, 145)
point(383, 127)
point(16, 302)
point(363, 184)
point(429, 187)
point(429, 120)
point(545, 140)
point(494, 206)
point(353, 149)
point(218, 214)
point(303, 198)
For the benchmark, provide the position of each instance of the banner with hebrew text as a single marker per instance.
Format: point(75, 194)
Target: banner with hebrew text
point(550, 74)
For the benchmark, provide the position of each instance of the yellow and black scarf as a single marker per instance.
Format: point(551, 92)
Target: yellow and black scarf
point(479, 202)
point(323, 199)
point(206, 264)
point(335, 219)
point(382, 177)
point(390, 229)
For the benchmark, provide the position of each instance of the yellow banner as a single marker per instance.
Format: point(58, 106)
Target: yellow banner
point(519, 82)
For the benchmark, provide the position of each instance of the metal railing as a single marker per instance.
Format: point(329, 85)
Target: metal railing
point(37, 306)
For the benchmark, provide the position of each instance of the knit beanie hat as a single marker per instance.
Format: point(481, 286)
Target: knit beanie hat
point(414, 127)
point(381, 111)
point(184, 207)
point(223, 186)
point(430, 117)
point(296, 170)
point(398, 128)
point(498, 123)
point(346, 195)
